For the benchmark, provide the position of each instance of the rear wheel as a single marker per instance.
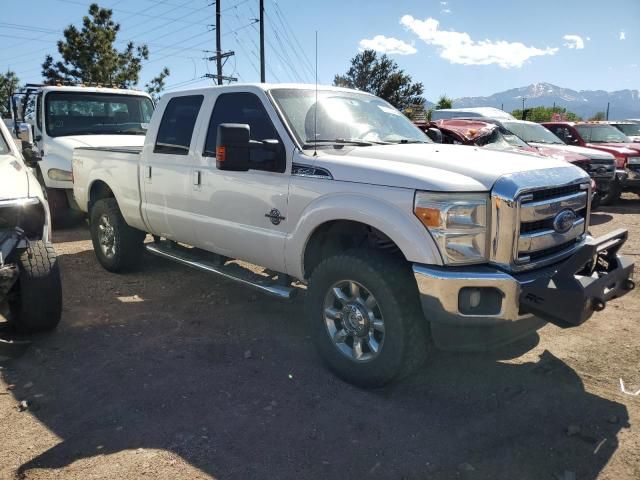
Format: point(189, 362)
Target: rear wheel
point(117, 246)
point(365, 318)
point(36, 301)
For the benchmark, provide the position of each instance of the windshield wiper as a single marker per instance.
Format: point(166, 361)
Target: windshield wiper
point(404, 141)
point(337, 141)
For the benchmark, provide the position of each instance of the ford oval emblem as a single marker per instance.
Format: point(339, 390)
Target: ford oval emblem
point(564, 220)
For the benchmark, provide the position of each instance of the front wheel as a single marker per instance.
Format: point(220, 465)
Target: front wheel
point(365, 317)
point(36, 301)
point(117, 246)
point(612, 196)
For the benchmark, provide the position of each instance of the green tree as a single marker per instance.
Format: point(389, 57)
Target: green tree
point(88, 54)
point(156, 84)
point(381, 76)
point(444, 102)
point(545, 114)
point(8, 84)
point(599, 116)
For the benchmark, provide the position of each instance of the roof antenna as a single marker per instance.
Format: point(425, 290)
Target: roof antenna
point(315, 107)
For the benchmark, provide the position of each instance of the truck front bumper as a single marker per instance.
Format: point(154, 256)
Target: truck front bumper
point(479, 308)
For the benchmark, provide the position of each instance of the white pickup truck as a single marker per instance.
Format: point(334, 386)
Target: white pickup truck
point(397, 239)
point(61, 118)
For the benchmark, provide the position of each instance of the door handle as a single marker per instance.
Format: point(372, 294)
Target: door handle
point(148, 171)
point(197, 177)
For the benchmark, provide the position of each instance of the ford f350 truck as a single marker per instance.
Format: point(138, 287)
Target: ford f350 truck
point(64, 117)
point(398, 239)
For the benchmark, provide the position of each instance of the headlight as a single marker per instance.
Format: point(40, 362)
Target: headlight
point(633, 160)
point(457, 222)
point(60, 175)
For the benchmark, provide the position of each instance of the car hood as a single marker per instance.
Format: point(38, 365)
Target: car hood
point(433, 167)
point(591, 153)
point(14, 180)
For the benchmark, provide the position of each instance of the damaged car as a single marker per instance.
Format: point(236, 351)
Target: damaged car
point(30, 287)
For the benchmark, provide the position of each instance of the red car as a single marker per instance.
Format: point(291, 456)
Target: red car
point(488, 134)
point(603, 136)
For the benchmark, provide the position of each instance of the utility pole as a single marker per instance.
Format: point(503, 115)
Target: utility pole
point(219, 55)
point(218, 48)
point(607, 111)
point(262, 69)
point(523, 114)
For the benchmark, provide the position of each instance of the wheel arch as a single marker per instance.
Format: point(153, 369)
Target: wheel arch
point(344, 217)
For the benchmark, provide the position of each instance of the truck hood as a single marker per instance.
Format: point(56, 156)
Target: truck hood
point(14, 181)
point(436, 167)
point(591, 153)
point(560, 153)
point(75, 141)
point(620, 149)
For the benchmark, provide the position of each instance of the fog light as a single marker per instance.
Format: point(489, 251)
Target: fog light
point(474, 298)
point(480, 301)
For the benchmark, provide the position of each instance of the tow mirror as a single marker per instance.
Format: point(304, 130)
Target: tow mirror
point(434, 134)
point(232, 147)
point(25, 133)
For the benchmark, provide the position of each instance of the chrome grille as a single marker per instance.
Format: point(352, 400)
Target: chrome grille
point(523, 235)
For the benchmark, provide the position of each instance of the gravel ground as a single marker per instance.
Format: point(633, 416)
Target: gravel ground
point(168, 373)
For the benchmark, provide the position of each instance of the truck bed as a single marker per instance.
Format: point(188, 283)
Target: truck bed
point(119, 168)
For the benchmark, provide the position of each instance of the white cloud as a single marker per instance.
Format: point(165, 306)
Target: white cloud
point(574, 41)
point(588, 39)
point(622, 36)
point(444, 8)
point(389, 45)
point(458, 47)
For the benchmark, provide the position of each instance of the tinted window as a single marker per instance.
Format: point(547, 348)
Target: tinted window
point(176, 126)
point(246, 108)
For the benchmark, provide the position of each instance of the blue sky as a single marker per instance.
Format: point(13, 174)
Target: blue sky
point(457, 47)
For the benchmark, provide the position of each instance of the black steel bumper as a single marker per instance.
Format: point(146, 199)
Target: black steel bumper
point(582, 284)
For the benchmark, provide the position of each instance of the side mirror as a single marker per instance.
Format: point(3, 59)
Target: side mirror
point(25, 133)
point(232, 147)
point(434, 134)
point(30, 154)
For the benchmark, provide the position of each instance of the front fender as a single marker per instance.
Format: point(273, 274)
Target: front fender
point(399, 224)
point(50, 161)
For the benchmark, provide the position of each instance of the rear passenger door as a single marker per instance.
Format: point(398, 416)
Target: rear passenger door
point(167, 167)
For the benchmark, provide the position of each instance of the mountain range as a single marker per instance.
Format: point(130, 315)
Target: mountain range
point(585, 103)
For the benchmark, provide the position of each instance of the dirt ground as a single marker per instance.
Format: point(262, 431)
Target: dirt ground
point(169, 373)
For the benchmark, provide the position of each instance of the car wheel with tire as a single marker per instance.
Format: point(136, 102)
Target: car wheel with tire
point(36, 300)
point(365, 317)
point(117, 246)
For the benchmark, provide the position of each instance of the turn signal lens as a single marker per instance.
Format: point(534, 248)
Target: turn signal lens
point(221, 154)
point(430, 217)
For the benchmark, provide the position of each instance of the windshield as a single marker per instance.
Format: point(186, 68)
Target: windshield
point(79, 113)
point(629, 128)
point(4, 148)
point(344, 117)
point(501, 139)
point(601, 134)
point(533, 132)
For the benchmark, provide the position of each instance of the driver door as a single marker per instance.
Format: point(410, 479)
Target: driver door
point(243, 214)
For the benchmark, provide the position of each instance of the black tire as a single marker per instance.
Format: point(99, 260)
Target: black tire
point(36, 299)
point(390, 281)
point(128, 242)
point(612, 196)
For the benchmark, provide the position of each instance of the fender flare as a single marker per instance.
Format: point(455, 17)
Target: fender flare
point(403, 228)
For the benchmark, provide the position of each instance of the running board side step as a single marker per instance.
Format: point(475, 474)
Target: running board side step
point(190, 257)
